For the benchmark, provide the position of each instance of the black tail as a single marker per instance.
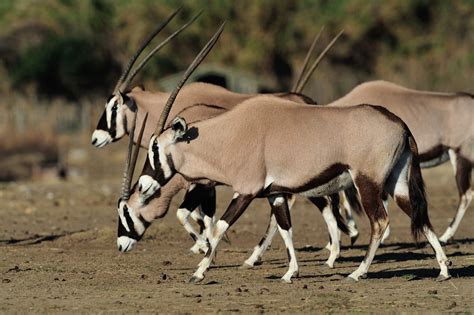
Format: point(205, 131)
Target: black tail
point(351, 197)
point(419, 206)
point(341, 223)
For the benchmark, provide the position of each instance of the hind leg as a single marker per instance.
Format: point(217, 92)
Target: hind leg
point(386, 234)
point(266, 240)
point(462, 170)
point(325, 206)
point(401, 193)
point(370, 195)
point(351, 224)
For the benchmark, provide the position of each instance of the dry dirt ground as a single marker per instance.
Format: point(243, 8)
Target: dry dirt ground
point(58, 254)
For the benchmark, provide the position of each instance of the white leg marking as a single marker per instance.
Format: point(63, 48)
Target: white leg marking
point(183, 214)
point(293, 265)
point(365, 264)
point(261, 248)
point(440, 255)
point(334, 235)
point(220, 228)
point(463, 205)
point(386, 234)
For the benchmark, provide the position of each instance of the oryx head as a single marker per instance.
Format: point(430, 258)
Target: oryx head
point(161, 168)
point(131, 225)
point(112, 124)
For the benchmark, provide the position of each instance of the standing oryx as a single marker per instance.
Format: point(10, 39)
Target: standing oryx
point(271, 147)
point(442, 124)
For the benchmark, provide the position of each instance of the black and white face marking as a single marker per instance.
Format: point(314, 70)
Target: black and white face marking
point(161, 165)
point(130, 227)
point(111, 126)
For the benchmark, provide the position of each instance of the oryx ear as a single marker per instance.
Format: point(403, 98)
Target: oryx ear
point(179, 128)
point(130, 103)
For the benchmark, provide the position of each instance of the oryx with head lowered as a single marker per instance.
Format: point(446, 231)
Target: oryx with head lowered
point(271, 147)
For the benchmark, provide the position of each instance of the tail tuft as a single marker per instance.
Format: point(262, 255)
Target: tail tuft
point(419, 206)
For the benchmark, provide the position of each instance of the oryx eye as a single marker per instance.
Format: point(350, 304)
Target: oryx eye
point(115, 107)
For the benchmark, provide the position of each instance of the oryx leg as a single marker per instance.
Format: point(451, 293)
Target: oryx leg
point(281, 212)
point(325, 205)
point(386, 234)
point(351, 224)
point(195, 196)
point(371, 198)
point(462, 170)
point(235, 209)
point(266, 240)
point(401, 193)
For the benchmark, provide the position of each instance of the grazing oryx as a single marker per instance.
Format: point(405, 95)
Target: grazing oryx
point(271, 147)
point(443, 127)
point(139, 206)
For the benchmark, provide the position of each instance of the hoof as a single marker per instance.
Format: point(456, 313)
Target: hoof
point(364, 276)
point(195, 280)
point(449, 263)
point(246, 266)
point(191, 253)
point(350, 279)
point(329, 265)
point(286, 280)
point(443, 278)
point(226, 238)
point(354, 239)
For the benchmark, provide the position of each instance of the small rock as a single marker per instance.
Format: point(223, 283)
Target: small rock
point(432, 291)
point(452, 305)
point(337, 289)
point(238, 290)
point(163, 276)
point(6, 281)
point(167, 263)
point(321, 287)
point(199, 301)
point(305, 287)
point(143, 277)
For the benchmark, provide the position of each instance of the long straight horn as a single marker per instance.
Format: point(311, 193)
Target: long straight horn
point(135, 153)
point(316, 63)
point(141, 48)
point(125, 190)
point(156, 49)
point(306, 60)
point(199, 58)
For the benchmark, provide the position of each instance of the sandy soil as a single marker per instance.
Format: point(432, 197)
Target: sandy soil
point(58, 254)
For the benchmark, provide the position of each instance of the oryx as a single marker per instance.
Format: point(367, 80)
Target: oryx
point(271, 147)
point(443, 127)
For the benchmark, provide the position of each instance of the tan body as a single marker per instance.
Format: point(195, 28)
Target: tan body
point(267, 146)
point(442, 124)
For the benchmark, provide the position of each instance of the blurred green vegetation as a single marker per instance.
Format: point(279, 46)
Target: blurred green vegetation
point(75, 48)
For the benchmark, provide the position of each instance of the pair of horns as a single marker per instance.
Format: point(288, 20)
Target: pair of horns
point(128, 75)
point(303, 78)
point(131, 160)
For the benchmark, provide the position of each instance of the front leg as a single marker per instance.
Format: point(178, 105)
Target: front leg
point(266, 240)
point(195, 196)
point(282, 215)
point(235, 209)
